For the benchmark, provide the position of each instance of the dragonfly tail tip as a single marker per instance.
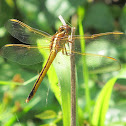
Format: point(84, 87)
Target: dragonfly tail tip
point(26, 100)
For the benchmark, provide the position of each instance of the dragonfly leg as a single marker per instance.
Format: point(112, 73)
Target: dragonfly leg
point(70, 41)
point(65, 52)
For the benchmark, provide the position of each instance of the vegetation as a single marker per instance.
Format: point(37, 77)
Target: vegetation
point(100, 88)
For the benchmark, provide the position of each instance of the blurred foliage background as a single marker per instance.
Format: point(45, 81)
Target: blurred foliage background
point(99, 16)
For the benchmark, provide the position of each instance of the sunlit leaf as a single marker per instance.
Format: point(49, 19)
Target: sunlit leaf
point(46, 115)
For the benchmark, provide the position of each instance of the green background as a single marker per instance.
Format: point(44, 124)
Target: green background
point(46, 107)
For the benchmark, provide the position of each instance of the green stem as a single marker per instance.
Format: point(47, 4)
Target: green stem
point(85, 68)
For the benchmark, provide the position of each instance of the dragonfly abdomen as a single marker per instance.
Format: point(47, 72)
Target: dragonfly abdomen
point(42, 75)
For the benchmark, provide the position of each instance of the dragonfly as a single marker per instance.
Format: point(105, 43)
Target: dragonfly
point(29, 52)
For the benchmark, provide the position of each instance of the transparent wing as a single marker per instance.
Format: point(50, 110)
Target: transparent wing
point(101, 51)
point(97, 63)
point(23, 54)
point(102, 41)
point(25, 33)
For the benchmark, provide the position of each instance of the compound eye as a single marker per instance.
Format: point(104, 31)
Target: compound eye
point(61, 29)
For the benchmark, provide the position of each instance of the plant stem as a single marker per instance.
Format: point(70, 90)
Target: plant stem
point(73, 80)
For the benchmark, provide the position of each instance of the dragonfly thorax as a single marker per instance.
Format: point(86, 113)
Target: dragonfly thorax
point(60, 38)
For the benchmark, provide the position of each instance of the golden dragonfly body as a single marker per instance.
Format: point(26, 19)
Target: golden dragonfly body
point(56, 45)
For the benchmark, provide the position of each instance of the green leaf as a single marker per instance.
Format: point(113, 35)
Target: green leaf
point(62, 7)
point(49, 114)
point(102, 103)
point(62, 67)
point(123, 19)
point(99, 17)
point(61, 89)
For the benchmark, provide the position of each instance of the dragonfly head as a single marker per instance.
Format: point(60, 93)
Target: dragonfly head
point(64, 28)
